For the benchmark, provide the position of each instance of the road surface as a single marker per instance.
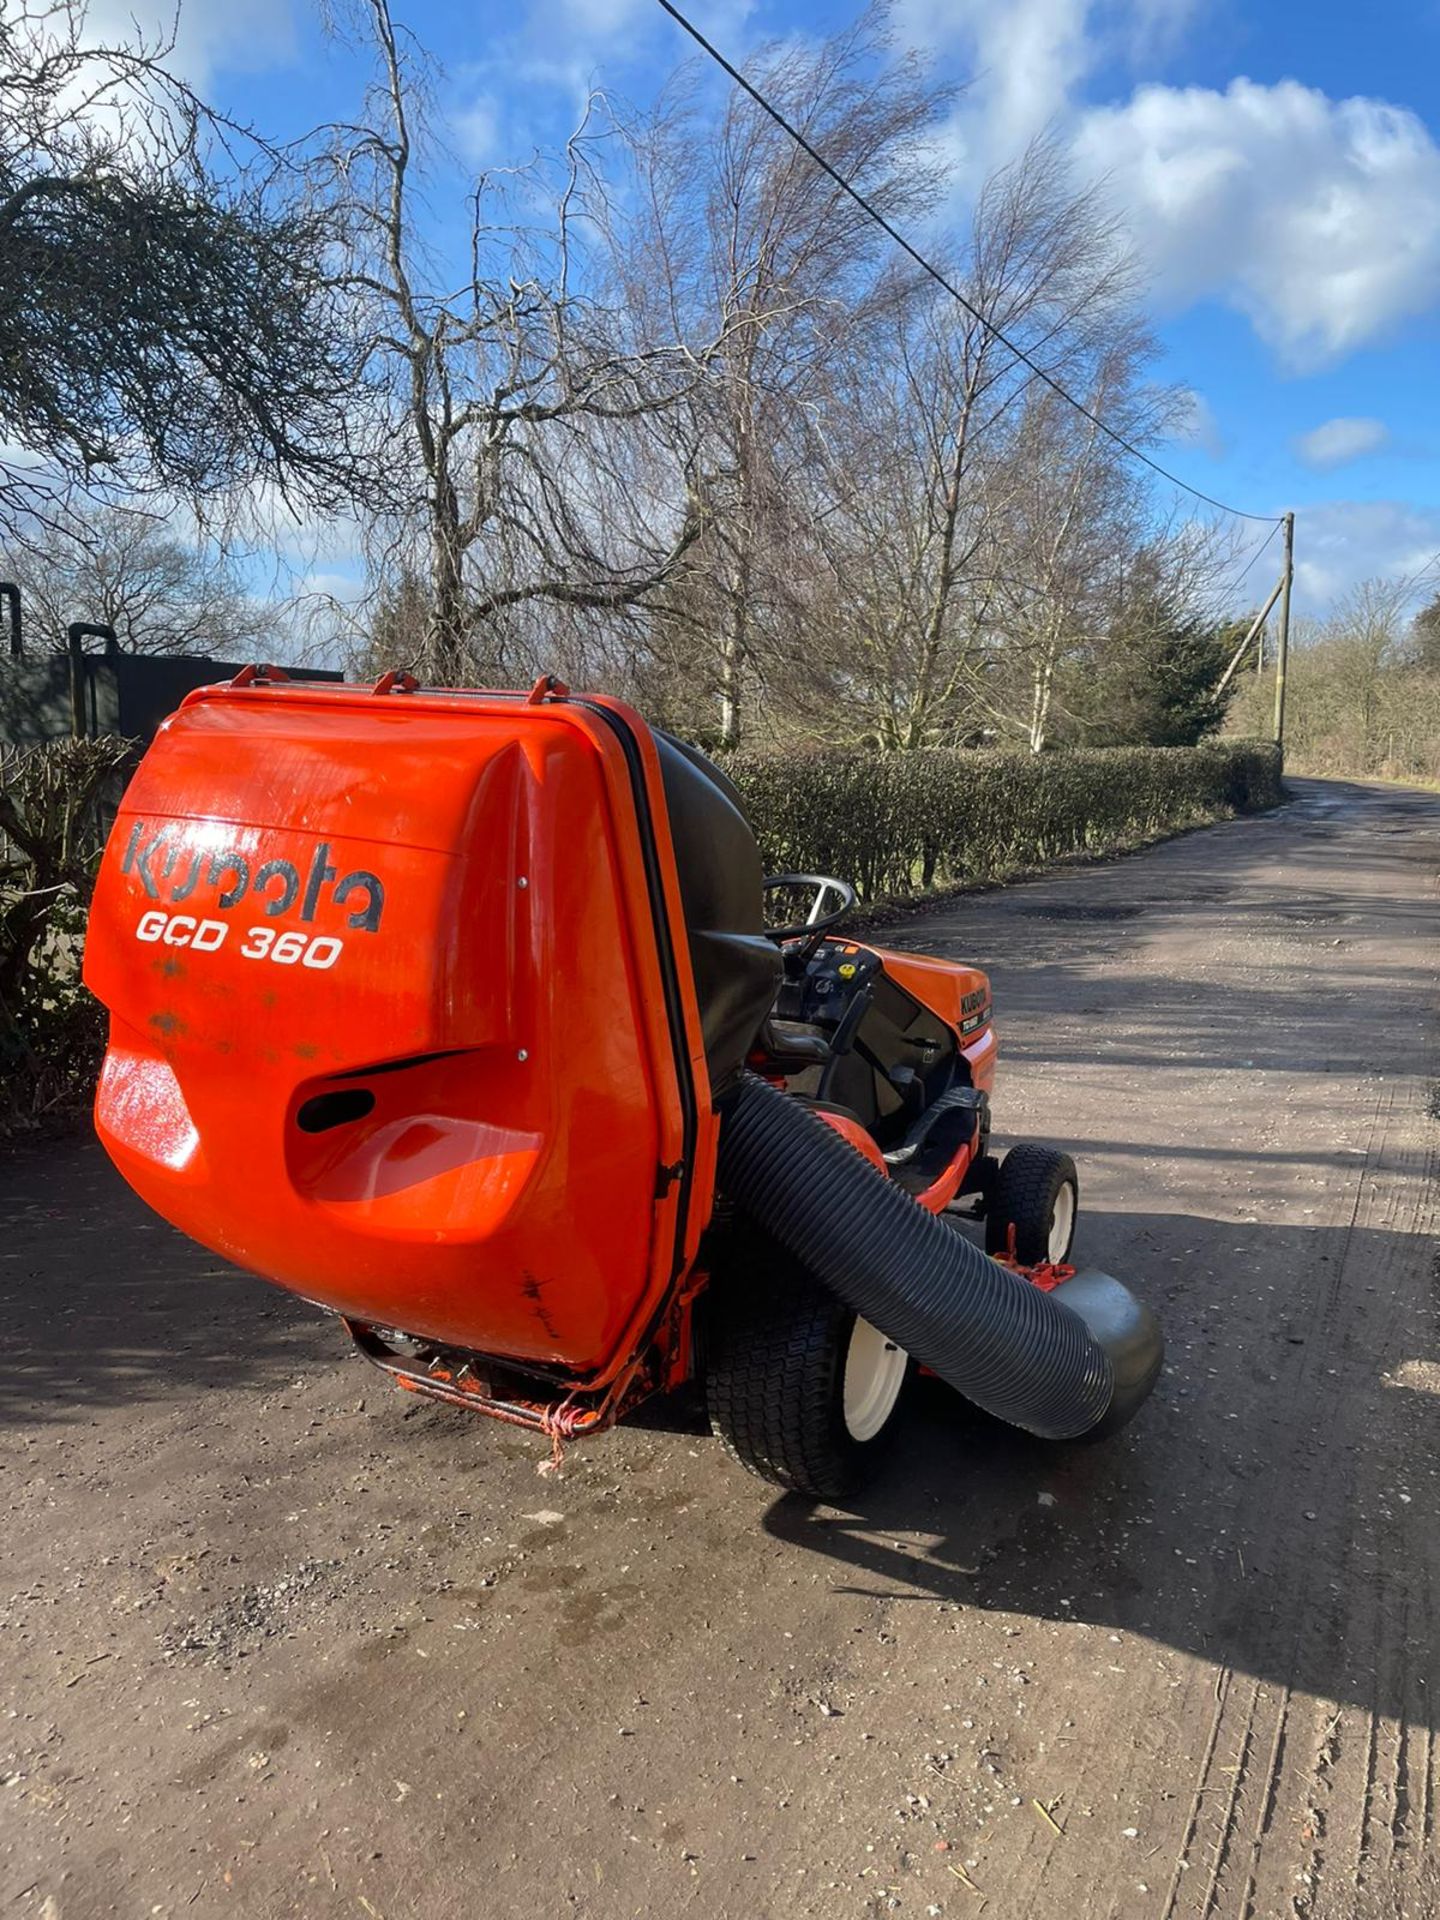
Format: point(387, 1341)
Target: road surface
point(278, 1641)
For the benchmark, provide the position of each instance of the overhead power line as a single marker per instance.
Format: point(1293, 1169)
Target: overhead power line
point(935, 274)
point(1234, 586)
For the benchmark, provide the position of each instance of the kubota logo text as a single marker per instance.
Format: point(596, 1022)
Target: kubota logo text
point(170, 871)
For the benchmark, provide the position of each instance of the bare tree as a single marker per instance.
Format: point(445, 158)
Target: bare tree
point(1364, 642)
point(1361, 698)
point(1425, 636)
point(165, 321)
point(514, 399)
point(1076, 512)
point(923, 540)
point(126, 568)
point(753, 246)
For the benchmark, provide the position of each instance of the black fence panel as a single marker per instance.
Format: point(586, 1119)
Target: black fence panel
point(125, 693)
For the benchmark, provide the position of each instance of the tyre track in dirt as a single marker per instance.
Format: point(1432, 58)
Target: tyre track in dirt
point(1266, 1720)
point(1286, 1793)
point(1254, 1839)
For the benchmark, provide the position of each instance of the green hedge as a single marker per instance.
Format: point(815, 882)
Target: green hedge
point(900, 824)
point(56, 799)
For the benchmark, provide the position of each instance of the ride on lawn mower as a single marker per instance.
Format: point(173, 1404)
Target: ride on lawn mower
point(458, 1014)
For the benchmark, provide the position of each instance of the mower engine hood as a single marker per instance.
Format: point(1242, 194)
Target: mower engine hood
point(415, 1011)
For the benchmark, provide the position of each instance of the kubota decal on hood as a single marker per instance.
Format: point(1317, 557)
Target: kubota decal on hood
point(166, 856)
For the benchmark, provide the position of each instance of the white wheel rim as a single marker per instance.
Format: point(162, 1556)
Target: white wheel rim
point(874, 1375)
point(1062, 1223)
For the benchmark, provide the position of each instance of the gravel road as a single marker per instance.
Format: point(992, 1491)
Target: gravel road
point(277, 1641)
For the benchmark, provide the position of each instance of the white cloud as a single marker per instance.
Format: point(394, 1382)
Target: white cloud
point(207, 34)
point(186, 40)
point(1339, 543)
point(1026, 58)
point(15, 457)
point(560, 49)
point(1335, 442)
point(1199, 427)
point(1318, 219)
point(1024, 62)
point(477, 130)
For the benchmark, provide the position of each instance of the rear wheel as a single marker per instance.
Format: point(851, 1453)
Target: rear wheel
point(801, 1390)
point(1037, 1193)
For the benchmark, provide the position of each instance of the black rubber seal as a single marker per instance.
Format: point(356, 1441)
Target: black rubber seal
point(669, 971)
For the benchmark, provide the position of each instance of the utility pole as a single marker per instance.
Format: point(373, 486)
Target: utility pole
point(1282, 648)
point(1257, 627)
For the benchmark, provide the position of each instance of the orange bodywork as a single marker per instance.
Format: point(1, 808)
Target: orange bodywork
point(960, 996)
point(451, 931)
point(402, 1017)
point(851, 1130)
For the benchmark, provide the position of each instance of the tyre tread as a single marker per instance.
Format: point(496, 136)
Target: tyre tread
point(770, 1380)
point(1029, 1178)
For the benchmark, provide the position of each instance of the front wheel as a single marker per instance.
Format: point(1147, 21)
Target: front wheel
point(801, 1390)
point(1037, 1194)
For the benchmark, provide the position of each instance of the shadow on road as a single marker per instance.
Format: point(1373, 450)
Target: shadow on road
point(1262, 1511)
point(1269, 1510)
point(103, 1304)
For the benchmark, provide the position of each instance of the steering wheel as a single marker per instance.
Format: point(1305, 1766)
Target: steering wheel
point(819, 922)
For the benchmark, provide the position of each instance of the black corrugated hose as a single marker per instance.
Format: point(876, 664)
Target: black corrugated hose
point(1019, 1353)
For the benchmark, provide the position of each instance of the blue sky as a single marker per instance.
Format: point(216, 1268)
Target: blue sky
point(1278, 168)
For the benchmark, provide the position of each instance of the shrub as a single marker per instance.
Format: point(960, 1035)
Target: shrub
point(897, 825)
point(53, 803)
